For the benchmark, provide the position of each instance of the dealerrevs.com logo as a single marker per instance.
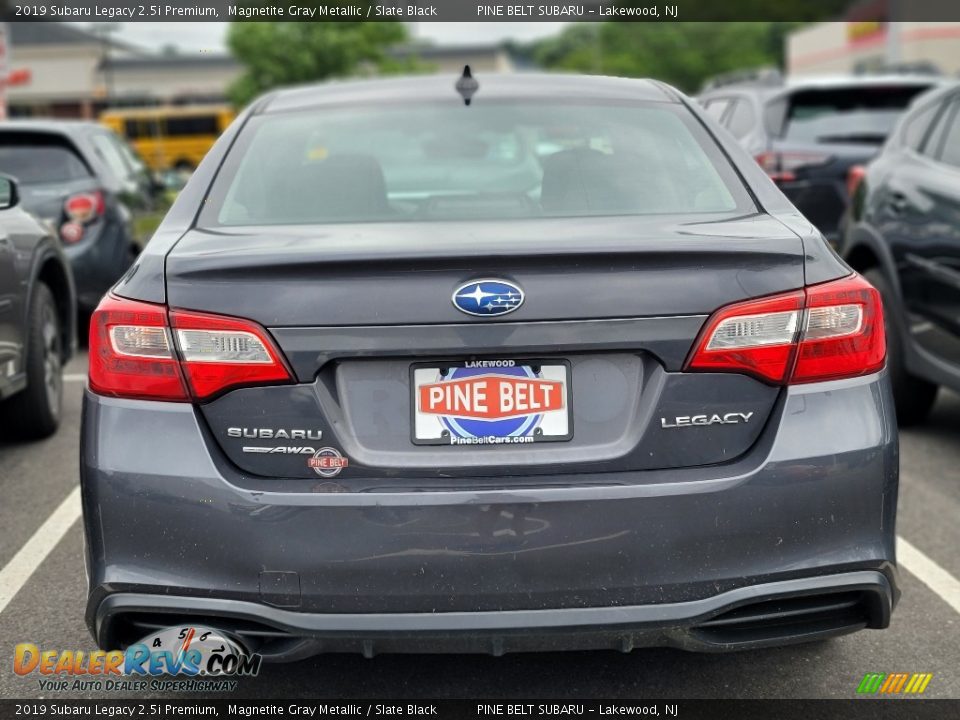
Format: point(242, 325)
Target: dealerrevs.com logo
point(184, 652)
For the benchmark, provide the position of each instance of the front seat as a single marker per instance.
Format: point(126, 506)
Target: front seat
point(339, 187)
point(588, 182)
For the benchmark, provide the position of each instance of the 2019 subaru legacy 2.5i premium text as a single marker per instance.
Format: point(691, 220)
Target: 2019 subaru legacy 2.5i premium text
point(557, 368)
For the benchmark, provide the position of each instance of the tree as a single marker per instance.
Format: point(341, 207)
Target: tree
point(286, 53)
point(682, 54)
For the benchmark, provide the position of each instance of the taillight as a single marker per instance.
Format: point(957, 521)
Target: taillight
point(843, 334)
point(221, 352)
point(80, 209)
point(783, 166)
point(824, 332)
point(84, 207)
point(855, 176)
point(137, 352)
point(131, 352)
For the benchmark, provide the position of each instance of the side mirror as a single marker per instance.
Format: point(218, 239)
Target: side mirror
point(8, 192)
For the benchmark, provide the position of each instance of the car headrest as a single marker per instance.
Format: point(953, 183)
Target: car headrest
point(339, 186)
point(585, 181)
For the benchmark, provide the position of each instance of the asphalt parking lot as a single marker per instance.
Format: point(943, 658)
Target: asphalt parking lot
point(42, 597)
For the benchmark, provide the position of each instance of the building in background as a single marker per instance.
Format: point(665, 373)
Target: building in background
point(172, 78)
point(66, 77)
point(76, 73)
point(872, 44)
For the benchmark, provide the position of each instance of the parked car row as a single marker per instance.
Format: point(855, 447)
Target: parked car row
point(809, 133)
point(88, 191)
point(903, 234)
point(72, 196)
point(895, 219)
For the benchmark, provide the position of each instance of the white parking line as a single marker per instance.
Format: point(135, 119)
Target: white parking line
point(35, 550)
point(75, 377)
point(929, 573)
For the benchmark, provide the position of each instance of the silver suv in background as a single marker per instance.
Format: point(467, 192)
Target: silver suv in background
point(813, 135)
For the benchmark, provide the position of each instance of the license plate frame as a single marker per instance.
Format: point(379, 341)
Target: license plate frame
point(558, 430)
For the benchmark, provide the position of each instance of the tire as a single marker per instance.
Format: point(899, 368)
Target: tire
point(36, 410)
point(913, 396)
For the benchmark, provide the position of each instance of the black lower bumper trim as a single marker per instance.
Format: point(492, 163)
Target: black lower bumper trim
point(777, 613)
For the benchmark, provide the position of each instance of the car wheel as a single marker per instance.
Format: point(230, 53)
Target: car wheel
point(36, 411)
point(913, 396)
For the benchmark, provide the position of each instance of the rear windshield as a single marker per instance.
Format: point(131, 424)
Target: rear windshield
point(451, 162)
point(846, 115)
point(35, 158)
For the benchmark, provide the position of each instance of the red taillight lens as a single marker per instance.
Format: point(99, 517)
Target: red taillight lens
point(130, 352)
point(855, 176)
point(220, 352)
point(783, 167)
point(80, 209)
point(844, 334)
point(755, 337)
point(84, 207)
point(136, 352)
point(824, 332)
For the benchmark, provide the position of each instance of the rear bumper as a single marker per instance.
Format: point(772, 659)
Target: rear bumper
point(604, 560)
point(755, 616)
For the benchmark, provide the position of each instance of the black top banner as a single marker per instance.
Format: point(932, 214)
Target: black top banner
point(478, 11)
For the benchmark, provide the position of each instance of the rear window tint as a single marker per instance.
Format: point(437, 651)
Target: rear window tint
point(110, 152)
point(915, 130)
point(933, 145)
point(36, 158)
point(846, 115)
point(951, 142)
point(742, 119)
point(716, 108)
point(448, 162)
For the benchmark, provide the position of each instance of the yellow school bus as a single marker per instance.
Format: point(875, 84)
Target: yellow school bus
point(170, 138)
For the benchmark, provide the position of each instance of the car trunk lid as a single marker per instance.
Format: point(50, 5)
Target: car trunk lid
point(355, 308)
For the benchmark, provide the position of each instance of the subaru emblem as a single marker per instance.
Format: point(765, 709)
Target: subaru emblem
point(486, 298)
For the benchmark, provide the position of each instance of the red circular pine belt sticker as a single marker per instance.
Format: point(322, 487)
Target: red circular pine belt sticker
point(328, 462)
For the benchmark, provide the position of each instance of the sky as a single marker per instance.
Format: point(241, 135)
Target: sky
point(209, 36)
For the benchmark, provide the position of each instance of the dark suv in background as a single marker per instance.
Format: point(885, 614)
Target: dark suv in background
point(904, 235)
point(808, 134)
point(88, 186)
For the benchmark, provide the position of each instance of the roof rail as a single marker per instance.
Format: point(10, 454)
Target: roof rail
point(768, 76)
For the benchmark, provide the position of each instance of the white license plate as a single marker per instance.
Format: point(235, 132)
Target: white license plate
point(490, 402)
